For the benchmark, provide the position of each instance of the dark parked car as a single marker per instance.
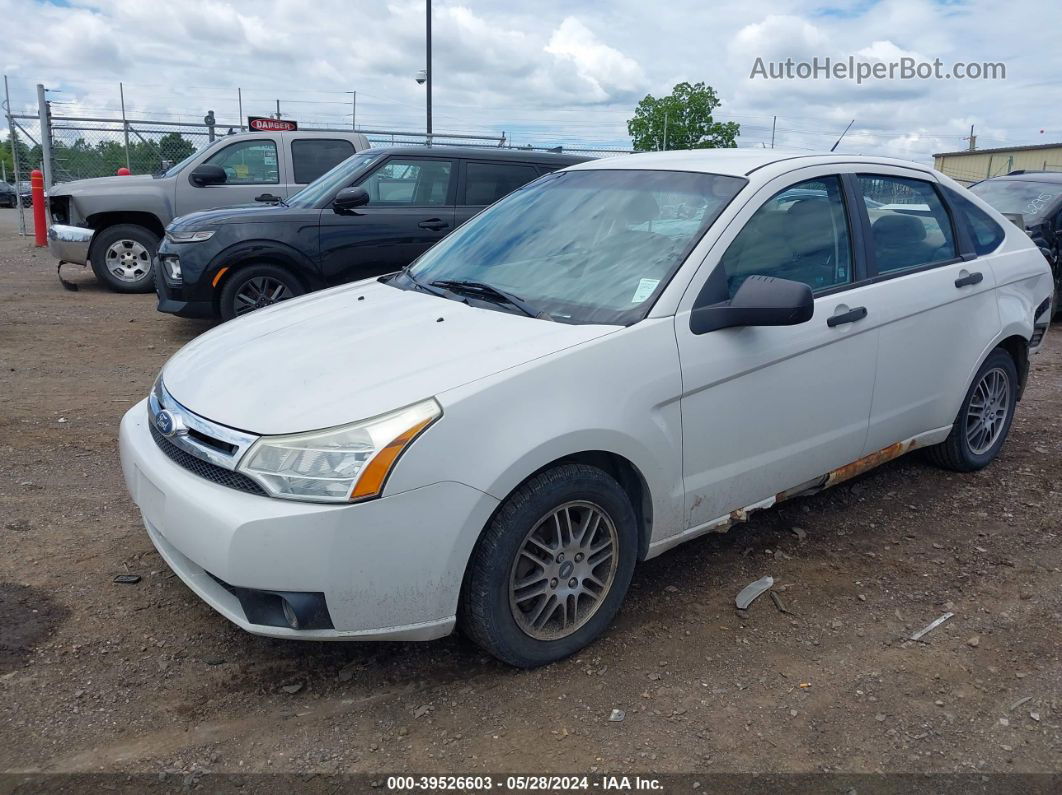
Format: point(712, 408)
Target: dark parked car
point(372, 214)
point(8, 197)
point(1033, 201)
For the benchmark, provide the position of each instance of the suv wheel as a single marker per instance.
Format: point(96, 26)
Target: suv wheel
point(984, 418)
point(122, 257)
point(257, 286)
point(550, 571)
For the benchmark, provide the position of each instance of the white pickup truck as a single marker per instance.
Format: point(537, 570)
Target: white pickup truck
point(115, 224)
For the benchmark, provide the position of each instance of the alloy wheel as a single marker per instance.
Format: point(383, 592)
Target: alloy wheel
point(563, 571)
point(987, 413)
point(128, 260)
point(260, 291)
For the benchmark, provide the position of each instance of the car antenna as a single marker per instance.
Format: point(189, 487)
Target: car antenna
point(846, 129)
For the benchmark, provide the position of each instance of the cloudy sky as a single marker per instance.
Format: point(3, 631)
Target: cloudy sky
point(552, 71)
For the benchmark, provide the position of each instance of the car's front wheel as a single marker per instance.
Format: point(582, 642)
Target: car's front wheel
point(257, 286)
point(122, 257)
point(551, 569)
point(984, 418)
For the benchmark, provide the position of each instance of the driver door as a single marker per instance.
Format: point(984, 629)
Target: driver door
point(765, 409)
point(251, 169)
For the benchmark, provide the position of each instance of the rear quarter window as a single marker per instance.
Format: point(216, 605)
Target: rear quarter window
point(985, 233)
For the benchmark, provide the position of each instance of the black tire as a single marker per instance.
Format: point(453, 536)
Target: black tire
point(243, 283)
point(486, 615)
point(105, 256)
point(955, 452)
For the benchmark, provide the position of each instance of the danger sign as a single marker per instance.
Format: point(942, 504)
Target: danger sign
point(266, 124)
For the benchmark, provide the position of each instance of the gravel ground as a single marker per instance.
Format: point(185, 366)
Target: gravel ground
point(100, 676)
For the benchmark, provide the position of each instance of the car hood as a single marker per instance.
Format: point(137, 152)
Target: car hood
point(101, 185)
point(242, 213)
point(351, 353)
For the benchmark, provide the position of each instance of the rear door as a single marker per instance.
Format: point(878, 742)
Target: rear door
point(934, 303)
point(411, 207)
point(483, 182)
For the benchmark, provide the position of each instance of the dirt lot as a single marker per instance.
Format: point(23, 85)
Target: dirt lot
point(145, 677)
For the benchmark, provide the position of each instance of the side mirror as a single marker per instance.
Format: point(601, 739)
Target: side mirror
point(759, 301)
point(208, 175)
point(350, 198)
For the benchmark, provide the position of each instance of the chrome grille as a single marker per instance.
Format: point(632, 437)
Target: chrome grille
point(204, 469)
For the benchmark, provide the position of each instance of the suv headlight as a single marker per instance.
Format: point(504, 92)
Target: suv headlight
point(342, 464)
point(191, 237)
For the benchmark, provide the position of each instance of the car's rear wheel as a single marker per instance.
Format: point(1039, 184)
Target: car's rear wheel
point(122, 257)
point(550, 571)
point(984, 419)
point(257, 286)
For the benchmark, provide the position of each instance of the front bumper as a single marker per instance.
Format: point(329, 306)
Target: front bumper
point(70, 243)
point(389, 569)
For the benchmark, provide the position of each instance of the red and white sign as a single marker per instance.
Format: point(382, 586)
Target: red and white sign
point(266, 124)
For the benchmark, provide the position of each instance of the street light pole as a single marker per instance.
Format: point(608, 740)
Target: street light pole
point(427, 6)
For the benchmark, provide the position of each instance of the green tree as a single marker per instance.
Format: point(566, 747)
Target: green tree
point(174, 147)
point(681, 120)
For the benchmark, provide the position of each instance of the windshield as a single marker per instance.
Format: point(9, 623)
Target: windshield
point(1024, 197)
point(329, 183)
point(174, 170)
point(593, 246)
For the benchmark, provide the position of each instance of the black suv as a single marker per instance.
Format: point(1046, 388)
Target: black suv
point(372, 214)
point(1033, 201)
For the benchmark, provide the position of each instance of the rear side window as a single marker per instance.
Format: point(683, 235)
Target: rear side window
point(985, 233)
point(800, 233)
point(412, 182)
point(485, 183)
point(909, 225)
point(310, 158)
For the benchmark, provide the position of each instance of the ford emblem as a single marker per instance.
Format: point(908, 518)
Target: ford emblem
point(168, 423)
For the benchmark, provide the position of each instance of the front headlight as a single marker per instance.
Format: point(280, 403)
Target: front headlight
point(339, 464)
point(191, 237)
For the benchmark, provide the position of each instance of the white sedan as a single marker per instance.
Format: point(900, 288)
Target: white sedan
point(612, 360)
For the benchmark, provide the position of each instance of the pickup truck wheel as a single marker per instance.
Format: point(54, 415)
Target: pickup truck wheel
point(550, 571)
point(122, 258)
point(256, 286)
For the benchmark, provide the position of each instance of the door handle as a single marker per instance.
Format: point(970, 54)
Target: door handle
point(433, 223)
point(851, 316)
point(970, 278)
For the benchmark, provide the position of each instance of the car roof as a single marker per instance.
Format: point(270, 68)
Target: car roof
point(738, 162)
point(1029, 176)
point(493, 153)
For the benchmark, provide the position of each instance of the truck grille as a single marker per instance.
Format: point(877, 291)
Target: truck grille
point(204, 469)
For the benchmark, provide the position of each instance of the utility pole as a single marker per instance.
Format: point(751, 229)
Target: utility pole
point(665, 130)
point(353, 110)
point(774, 123)
point(14, 158)
point(972, 139)
point(239, 102)
point(427, 25)
point(44, 115)
point(278, 108)
point(125, 124)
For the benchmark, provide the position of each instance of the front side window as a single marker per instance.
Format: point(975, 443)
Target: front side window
point(800, 233)
point(911, 227)
point(248, 163)
point(312, 157)
point(594, 246)
point(485, 183)
point(325, 187)
point(412, 182)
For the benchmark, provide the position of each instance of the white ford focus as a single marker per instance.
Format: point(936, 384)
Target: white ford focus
point(612, 360)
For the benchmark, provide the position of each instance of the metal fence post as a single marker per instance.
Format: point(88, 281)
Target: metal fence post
point(14, 159)
point(125, 124)
point(44, 117)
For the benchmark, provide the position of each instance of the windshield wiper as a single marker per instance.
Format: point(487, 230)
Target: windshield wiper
point(427, 288)
point(490, 293)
